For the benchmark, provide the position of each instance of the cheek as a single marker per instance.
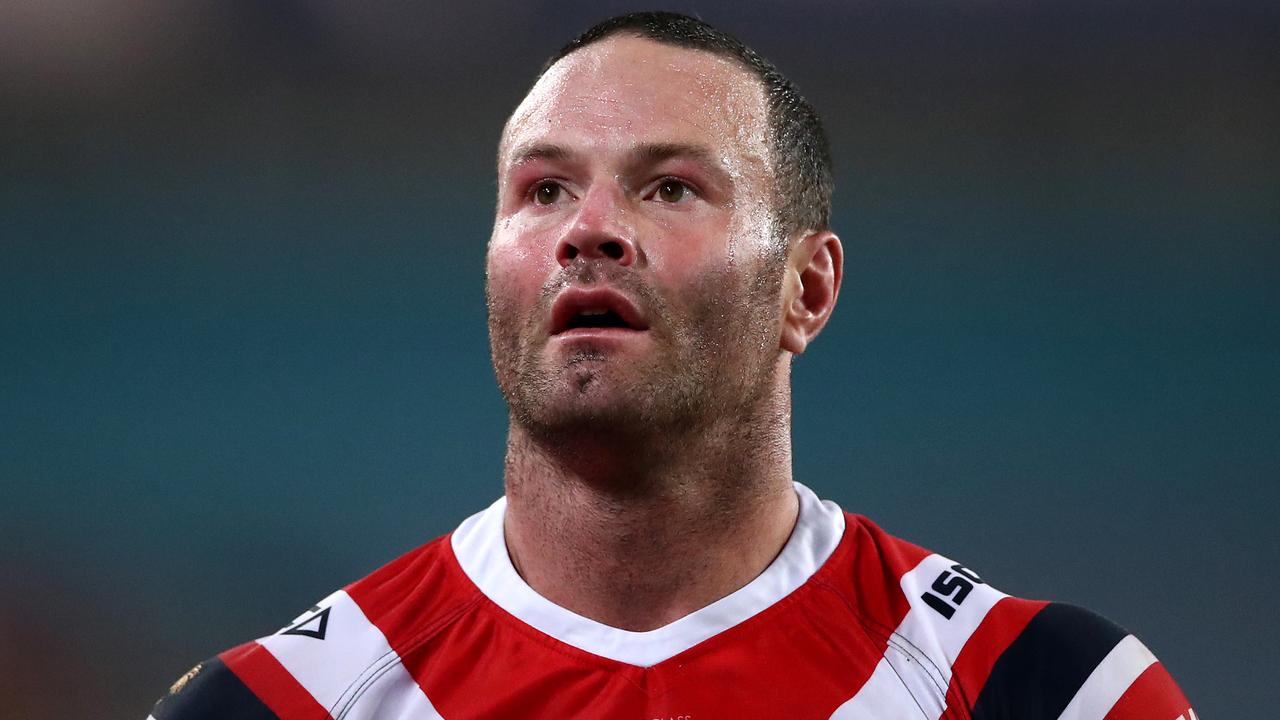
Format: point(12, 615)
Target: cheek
point(515, 270)
point(711, 253)
point(680, 250)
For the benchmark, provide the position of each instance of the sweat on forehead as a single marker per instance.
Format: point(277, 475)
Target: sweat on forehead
point(630, 89)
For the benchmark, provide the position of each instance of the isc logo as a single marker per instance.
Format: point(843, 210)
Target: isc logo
point(951, 588)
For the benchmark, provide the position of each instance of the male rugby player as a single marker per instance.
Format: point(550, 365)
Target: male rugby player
point(660, 253)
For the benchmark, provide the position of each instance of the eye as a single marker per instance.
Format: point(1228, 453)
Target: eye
point(671, 190)
point(547, 192)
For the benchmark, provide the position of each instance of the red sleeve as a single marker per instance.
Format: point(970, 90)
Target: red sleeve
point(271, 683)
point(1152, 696)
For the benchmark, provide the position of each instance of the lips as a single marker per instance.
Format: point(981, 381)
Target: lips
point(595, 309)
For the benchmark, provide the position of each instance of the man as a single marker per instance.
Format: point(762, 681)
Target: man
point(660, 253)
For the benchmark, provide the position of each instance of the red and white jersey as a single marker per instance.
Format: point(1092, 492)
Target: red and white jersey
point(847, 622)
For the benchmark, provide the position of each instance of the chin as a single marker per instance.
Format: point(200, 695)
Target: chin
point(602, 400)
point(595, 414)
point(578, 415)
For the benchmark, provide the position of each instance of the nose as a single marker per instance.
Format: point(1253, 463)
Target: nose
point(600, 230)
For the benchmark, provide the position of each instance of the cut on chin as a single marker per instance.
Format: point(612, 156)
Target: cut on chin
point(587, 390)
point(586, 373)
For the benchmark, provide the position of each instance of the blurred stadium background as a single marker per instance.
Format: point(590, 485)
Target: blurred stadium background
point(242, 348)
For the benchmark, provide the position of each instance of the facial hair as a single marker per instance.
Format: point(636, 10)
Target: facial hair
point(710, 359)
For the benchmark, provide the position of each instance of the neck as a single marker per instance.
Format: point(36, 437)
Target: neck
point(636, 532)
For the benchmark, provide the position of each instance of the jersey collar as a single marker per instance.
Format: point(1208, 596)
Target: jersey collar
point(481, 550)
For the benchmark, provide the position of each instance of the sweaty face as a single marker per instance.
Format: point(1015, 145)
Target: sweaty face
point(633, 273)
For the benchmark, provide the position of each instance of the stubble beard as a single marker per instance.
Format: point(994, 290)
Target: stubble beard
point(708, 365)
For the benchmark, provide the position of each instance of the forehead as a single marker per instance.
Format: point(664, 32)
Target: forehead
point(626, 90)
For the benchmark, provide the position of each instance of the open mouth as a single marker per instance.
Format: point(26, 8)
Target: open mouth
point(597, 319)
point(596, 308)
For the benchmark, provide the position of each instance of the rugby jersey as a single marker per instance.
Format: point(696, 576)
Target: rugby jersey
point(847, 622)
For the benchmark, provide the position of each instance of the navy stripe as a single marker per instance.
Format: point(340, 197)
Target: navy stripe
point(1038, 674)
point(212, 693)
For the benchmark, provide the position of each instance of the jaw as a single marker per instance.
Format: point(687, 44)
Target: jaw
point(616, 450)
point(586, 394)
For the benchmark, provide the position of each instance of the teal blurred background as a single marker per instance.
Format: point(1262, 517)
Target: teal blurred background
point(242, 347)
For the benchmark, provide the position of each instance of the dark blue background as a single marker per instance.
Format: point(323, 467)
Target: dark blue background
point(242, 346)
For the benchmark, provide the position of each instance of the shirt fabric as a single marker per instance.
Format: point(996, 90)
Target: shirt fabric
point(847, 622)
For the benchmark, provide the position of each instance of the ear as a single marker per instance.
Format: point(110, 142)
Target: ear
point(810, 287)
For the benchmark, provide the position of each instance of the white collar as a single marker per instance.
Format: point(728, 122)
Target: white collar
point(481, 549)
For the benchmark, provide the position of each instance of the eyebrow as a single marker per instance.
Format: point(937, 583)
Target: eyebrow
point(645, 154)
point(539, 151)
point(653, 153)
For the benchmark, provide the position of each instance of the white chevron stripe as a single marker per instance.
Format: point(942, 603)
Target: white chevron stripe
point(883, 693)
point(917, 663)
point(1104, 686)
point(394, 694)
point(353, 671)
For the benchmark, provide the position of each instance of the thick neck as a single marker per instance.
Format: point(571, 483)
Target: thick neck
point(638, 532)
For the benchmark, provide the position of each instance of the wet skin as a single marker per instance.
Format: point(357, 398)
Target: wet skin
point(634, 179)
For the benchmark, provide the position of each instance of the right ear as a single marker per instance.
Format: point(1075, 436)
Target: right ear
point(814, 271)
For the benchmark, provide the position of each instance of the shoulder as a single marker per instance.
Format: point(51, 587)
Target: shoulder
point(960, 645)
point(327, 657)
point(1071, 663)
point(207, 691)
